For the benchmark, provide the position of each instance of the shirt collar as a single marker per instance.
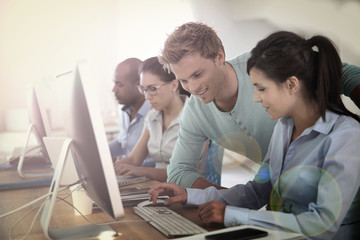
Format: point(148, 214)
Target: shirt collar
point(145, 107)
point(158, 115)
point(325, 127)
point(320, 125)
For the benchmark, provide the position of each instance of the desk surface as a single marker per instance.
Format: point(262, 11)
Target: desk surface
point(63, 215)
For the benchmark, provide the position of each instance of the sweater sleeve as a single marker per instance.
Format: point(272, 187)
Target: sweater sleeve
point(350, 79)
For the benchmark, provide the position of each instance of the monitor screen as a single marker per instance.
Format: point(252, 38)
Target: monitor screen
point(40, 126)
point(89, 147)
point(38, 118)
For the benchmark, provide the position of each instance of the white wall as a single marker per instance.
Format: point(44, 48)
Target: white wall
point(237, 36)
point(242, 23)
point(41, 38)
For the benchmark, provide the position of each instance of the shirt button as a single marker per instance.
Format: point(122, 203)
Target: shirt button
point(248, 134)
point(240, 123)
point(244, 128)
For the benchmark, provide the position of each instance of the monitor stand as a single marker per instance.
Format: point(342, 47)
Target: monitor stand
point(53, 147)
point(22, 158)
point(87, 231)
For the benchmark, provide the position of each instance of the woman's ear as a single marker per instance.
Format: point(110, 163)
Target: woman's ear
point(292, 84)
point(175, 85)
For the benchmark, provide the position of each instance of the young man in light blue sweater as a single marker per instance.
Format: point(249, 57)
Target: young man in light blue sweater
point(221, 107)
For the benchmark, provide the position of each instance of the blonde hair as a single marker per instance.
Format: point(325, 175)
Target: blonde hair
point(190, 38)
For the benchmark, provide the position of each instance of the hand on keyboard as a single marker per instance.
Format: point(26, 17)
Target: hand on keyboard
point(175, 193)
point(127, 169)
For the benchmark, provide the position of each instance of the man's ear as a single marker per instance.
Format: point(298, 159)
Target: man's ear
point(220, 57)
point(292, 84)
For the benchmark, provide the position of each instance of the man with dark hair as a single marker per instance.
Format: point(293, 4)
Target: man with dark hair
point(131, 121)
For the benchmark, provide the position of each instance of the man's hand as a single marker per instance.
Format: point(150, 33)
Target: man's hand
point(175, 193)
point(212, 212)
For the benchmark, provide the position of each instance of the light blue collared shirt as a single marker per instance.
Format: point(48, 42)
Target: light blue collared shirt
point(130, 132)
point(314, 181)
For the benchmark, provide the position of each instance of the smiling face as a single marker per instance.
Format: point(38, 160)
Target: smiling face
point(164, 94)
point(200, 76)
point(277, 99)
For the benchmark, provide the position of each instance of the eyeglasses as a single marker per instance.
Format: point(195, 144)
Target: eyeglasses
point(151, 90)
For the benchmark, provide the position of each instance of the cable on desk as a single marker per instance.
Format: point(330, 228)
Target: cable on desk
point(36, 200)
point(91, 222)
point(28, 204)
point(32, 223)
point(40, 206)
point(37, 213)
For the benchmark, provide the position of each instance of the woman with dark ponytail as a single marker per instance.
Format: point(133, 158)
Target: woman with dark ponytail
point(310, 176)
point(314, 152)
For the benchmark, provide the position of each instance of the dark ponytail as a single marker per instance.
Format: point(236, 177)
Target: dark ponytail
point(329, 75)
point(315, 62)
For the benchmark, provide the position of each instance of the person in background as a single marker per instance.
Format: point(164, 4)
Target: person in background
point(161, 124)
point(133, 112)
point(221, 106)
point(310, 174)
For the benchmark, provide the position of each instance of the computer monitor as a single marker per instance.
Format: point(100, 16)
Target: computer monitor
point(88, 145)
point(40, 126)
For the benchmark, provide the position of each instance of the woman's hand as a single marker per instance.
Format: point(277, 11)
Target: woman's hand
point(212, 212)
point(127, 169)
point(175, 193)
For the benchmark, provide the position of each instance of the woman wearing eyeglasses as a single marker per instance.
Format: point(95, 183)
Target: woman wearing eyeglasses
point(161, 124)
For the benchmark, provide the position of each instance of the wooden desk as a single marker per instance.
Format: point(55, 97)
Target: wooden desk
point(63, 214)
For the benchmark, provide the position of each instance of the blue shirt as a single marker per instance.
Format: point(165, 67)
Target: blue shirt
point(310, 183)
point(130, 132)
